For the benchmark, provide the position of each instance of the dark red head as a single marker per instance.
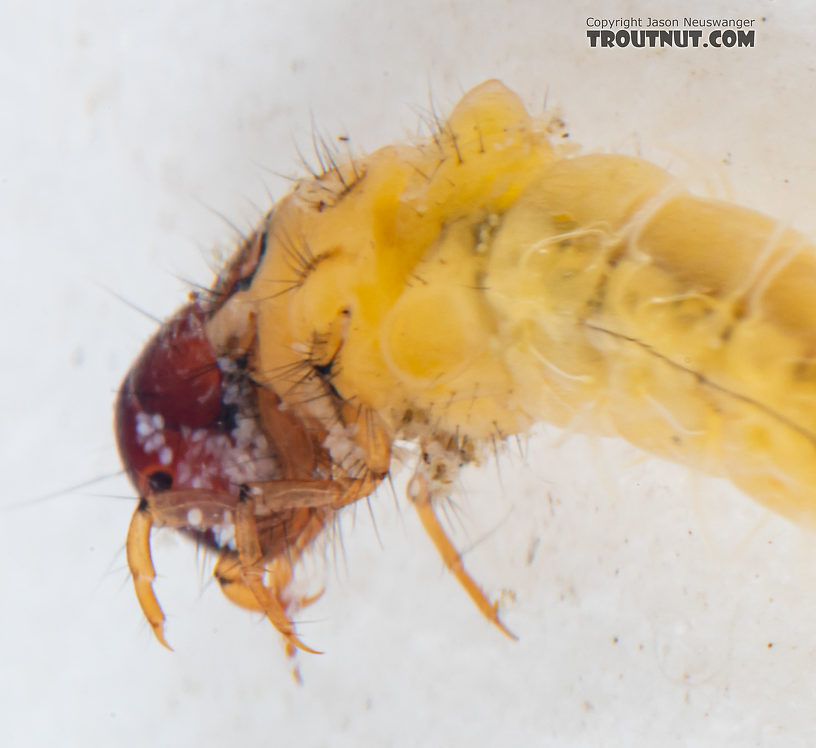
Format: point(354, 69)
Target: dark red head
point(172, 392)
point(184, 420)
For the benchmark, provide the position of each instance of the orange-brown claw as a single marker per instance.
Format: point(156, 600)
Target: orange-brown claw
point(141, 569)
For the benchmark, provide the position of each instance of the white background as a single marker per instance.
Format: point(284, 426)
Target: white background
point(653, 606)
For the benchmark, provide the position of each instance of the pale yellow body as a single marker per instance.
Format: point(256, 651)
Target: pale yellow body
point(479, 282)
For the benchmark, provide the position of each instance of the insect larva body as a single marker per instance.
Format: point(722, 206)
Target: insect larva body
point(455, 292)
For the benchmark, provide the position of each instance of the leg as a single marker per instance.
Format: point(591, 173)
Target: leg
point(252, 570)
point(141, 569)
point(334, 493)
point(420, 495)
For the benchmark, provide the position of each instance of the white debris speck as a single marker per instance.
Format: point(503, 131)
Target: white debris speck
point(165, 455)
point(224, 536)
point(183, 473)
point(194, 517)
point(154, 443)
point(259, 442)
point(144, 425)
point(341, 445)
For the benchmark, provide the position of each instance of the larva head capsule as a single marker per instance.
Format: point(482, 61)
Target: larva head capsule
point(170, 408)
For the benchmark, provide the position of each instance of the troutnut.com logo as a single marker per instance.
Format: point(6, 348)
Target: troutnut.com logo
point(670, 32)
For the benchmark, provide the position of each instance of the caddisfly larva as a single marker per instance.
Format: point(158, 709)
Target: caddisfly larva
point(451, 293)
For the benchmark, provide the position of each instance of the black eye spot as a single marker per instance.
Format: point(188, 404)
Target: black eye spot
point(160, 481)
